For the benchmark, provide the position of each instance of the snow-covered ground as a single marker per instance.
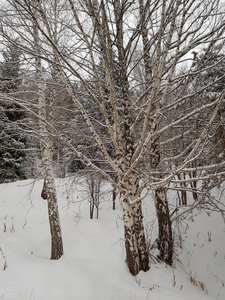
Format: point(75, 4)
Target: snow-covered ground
point(93, 266)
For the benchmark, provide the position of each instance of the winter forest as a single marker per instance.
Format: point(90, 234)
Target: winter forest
point(112, 149)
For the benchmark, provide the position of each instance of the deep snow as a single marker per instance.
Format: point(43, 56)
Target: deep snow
point(93, 266)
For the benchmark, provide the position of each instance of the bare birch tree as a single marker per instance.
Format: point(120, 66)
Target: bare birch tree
point(46, 149)
point(33, 43)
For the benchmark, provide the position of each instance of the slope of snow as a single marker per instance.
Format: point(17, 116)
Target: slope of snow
point(93, 266)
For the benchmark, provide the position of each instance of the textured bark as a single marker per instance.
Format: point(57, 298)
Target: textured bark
point(132, 257)
point(165, 229)
point(50, 190)
point(152, 76)
point(140, 235)
point(56, 235)
point(162, 211)
point(50, 118)
point(46, 156)
point(137, 258)
point(136, 251)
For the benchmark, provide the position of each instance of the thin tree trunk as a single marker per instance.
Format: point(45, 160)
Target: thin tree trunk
point(91, 209)
point(114, 193)
point(92, 201)
point(194, 187)
point(56, 235)
point(50, 190)
point(183, 192)
point(162, 210)
point(50, 118)
point(114, 197)
point(194, 184)
point(97, 212)
point(46, 155)
point(44, 189)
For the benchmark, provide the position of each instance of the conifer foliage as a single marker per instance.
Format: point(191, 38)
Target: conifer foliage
point(12, 141)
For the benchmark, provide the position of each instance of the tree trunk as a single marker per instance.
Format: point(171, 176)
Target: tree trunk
point(50, 119)
point(165, 228)
point(140, 235)
point(56, 236)
point(137, 258)
point(46, 155)
point(44, 189)
point(132, 256)
point(194, 183)
point(49, 189)
point(162, 211)
point(183, 192)
point(91, 209)
point(114, 197)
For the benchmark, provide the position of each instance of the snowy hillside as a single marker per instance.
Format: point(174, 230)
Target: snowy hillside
point(93, 266)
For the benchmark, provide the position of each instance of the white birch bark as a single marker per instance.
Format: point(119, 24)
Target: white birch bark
point(46, 155)
point(161, 202)
point(137, 258)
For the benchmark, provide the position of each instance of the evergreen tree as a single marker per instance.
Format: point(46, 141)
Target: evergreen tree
point(213, 78)
point(12, 141)
point(10, 69)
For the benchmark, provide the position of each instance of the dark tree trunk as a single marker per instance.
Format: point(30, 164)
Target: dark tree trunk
point(182, 191)
point(44, 191)
point(162, 211)
point(194, 185)
point(114, 198)
point(165, 228)
point(91, 210)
